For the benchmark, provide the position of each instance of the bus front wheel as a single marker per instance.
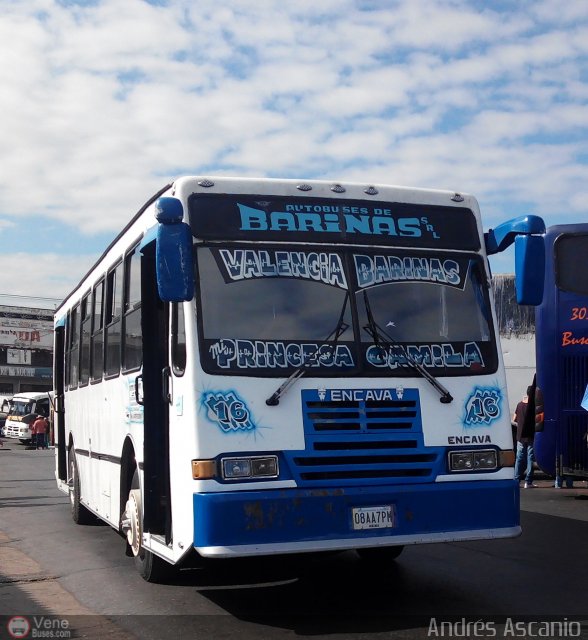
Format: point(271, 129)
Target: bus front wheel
point(151, 568)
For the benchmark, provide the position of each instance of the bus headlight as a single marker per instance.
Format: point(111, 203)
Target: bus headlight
point(236, 468)
point(255, 467)
point(474, 460)
point(233, 468)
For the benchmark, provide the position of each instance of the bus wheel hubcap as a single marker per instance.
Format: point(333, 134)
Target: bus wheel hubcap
point(72, 480)
point(133, 518)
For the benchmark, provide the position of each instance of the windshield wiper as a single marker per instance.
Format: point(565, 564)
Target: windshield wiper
point(337, 332)
point(378, 335)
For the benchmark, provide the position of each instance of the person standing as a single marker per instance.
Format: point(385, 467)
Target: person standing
point(525, 452)
point(40, 427)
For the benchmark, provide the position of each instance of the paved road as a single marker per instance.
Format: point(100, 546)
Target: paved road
point(49, 565)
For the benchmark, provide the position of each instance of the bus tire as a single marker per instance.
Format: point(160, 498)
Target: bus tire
point(151, 567)
point(79, 513)
point(380, 554)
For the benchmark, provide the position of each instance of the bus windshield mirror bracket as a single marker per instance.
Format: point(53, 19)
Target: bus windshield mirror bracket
point(527, 234)
point(380, 336)
point(337, 332)
point(499, 239)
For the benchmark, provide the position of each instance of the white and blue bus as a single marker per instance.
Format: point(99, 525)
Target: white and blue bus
point(263, 367)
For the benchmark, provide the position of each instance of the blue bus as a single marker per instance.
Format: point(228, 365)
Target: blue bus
point(561, 446)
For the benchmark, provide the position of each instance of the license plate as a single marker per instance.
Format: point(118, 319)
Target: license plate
point(373, 517)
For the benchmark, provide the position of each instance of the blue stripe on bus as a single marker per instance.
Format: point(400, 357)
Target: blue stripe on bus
point(290, 515)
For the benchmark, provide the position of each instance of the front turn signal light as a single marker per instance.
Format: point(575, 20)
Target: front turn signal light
point(203, 469)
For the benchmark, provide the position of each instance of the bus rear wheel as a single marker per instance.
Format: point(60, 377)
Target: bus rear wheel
point(151, 567)
point(380, 554)
point(79, 513)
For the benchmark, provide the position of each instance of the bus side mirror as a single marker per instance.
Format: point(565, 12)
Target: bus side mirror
point(173, 252)
point(530, 269)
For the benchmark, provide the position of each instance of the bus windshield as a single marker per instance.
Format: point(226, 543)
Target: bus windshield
point(268, 312)
point(428, 313)
point(21, 407)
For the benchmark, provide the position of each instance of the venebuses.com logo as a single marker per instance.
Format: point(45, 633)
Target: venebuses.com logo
point(38, 627)
point(18, 627)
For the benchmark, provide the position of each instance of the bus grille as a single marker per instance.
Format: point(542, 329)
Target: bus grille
point(574, 448)
point(363, 437)
point(573, 378)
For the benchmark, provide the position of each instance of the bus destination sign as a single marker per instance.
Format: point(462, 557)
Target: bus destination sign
point(303, 219)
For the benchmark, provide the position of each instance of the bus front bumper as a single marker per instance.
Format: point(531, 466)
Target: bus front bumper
point(247, 523)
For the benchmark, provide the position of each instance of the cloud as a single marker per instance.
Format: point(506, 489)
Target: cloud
point(105, 102)
point(41, 275)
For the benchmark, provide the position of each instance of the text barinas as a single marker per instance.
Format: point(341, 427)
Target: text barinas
point(376, 269)
point(319, 221)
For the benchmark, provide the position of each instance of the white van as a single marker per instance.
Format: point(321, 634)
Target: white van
point(17, 424)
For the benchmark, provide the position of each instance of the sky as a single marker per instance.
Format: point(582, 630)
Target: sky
point(103, 102)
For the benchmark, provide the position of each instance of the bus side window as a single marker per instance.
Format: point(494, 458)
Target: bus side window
point(42, 407)
point(73, 347)
point(133, 347)
point(86, 320)
point(67, 350)
point(97, 342)
point(569, 251)
point(178, 339)
point(113, 309)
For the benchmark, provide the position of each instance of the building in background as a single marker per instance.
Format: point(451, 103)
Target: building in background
point(516, 324)
point(26, 349)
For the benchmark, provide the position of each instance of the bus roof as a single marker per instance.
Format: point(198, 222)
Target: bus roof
point(32, 395)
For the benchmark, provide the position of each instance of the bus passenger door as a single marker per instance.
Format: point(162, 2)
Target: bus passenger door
point(59, 413)
point(156, 473)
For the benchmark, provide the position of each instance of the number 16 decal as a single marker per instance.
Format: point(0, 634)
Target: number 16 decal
point(228, 411)
point(482, 407)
